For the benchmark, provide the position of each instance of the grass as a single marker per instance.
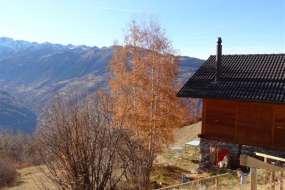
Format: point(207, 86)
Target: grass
point(177, 161)
point(167, 175)
point(32, 178)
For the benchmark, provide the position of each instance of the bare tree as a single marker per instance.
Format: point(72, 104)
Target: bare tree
point(84, 149)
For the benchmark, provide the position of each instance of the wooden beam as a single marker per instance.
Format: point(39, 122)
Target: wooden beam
point(266, 156)
point(251, 162)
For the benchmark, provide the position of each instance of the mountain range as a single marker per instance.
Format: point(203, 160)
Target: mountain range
point(31, 74)
point(14, 116)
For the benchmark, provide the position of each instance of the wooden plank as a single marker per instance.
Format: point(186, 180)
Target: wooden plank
point(273, 127)
point(219, 121)
point(251, 162)
point(269, 156)
point(238, 123)
point(204, 116)
point(279, 126)
point(279, 111)
point(254, 119)
point(279, 138)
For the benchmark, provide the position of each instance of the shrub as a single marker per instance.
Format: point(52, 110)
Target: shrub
point(18, 147)
point(8, 173)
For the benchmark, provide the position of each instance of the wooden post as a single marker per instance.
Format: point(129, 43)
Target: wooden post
point(253, 179)
point(272, 180)
point(254, 163)
point(217, 183)
point(281, 180)
point(267, 178)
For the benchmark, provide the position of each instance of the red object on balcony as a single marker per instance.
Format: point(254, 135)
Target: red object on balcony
point(222, 154)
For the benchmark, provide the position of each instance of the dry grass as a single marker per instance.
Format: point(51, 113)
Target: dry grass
point(168, 169)
point(8, 173)
point(187, 133)
point(33, 178)
point(176, 161)
point(170, 166)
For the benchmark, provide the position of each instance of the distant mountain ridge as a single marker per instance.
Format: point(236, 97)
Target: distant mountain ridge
point(36, 72)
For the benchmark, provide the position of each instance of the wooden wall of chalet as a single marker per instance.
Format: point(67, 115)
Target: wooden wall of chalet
point(248, 123)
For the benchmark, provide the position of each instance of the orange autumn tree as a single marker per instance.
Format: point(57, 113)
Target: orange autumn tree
point(143, 86)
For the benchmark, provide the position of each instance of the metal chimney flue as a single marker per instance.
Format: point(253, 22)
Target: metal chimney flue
point(218, 58)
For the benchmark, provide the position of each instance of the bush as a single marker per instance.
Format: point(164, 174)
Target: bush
point(8, 173)
point(19, 148)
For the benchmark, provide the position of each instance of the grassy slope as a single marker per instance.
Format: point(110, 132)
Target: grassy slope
point(169, 165)
point(176, 161)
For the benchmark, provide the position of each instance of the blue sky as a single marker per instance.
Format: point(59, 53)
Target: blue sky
point(246, 26)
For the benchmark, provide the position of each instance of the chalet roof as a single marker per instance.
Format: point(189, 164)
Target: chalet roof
point(256, 77)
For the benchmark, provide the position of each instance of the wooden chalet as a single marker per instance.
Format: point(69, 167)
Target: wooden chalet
point(243, 98)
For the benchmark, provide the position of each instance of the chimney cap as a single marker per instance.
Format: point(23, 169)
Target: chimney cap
point(219, 40)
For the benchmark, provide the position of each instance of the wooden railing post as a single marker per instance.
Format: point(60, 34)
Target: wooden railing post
point(281, 180)
point(272, 180)
point(253, 179)
point(217, 183)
